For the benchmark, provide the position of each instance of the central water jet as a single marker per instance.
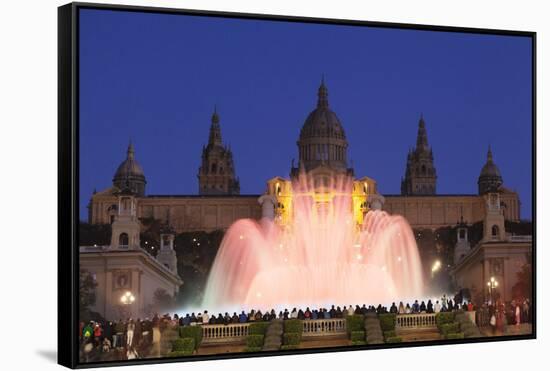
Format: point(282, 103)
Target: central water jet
point(322, 252)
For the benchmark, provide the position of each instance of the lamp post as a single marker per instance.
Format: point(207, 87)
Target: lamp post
point(127, 299)
point(436, 267)
point(492, 285)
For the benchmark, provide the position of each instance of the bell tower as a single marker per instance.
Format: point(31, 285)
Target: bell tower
point(420, 175)
point(217, 172)
point(126, 227)
point(167, 254)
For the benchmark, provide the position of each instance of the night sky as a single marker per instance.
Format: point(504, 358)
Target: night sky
point(155, 78)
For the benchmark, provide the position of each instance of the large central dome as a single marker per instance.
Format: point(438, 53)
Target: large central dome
point(322, 138)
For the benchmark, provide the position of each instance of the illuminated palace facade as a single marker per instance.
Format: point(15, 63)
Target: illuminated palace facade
point(322, 149)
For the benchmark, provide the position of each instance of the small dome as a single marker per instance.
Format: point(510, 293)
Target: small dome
point(129, 174)
point(489, 179)
point(490, 169)
point(129, 167)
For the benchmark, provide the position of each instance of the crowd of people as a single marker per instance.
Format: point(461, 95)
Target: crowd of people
point(129, 339)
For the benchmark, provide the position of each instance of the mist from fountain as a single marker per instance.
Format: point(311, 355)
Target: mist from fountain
point(322, 257)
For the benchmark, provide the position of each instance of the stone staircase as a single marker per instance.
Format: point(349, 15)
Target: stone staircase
point(273, 335)
point(373, 329)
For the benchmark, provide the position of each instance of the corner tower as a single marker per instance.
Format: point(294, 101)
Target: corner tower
point(420, 175)
point(217, 172)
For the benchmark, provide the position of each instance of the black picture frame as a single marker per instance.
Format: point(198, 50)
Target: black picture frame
point(68, 176)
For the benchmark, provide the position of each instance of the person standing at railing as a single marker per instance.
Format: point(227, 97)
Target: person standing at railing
point(408, 309)
point(422, 307)
point(393, 308)
point(401, 309)
point(429, 307)
point(437, 307)
point(205, 318)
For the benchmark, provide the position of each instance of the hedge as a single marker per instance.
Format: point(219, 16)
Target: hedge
point(355, 322)
point(180, 353)
point(449, 328)
point(358, 342)
point(253, 341)
point(288, 347)
point(395, 339)
point(292, 338)
point(455, 335)
point(257, 328)
point(252, 349)
point(387, 321)
point(389, 334)
point(293, 325)
point(183, 345)
point(194, 332)
point(444, 317)
point(357, 335)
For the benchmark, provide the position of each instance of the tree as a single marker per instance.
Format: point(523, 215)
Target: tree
point(524, 286)
point(86, 293)
point(162, 300)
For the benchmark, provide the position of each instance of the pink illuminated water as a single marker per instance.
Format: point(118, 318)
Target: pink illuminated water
point(321, 258)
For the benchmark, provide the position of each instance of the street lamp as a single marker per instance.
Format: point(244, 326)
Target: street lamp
point(492, 284)
point(127, 298)
point(435, 267)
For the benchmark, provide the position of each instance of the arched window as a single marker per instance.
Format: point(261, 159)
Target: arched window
point(213, 168)
point(123, 240)
point(494, 231)
point(423, 169)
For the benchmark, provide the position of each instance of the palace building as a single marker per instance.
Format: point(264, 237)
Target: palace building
point(322, 150)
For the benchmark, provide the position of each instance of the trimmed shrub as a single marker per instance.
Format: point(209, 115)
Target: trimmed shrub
point(358, 342)
point(254, 341)
point(292, 338)
point(289, 347)
point(252, 349)
point(387, 321)
point(293, 325)
point(389, 334)
point(355, 322)
point(444, 317)
point(180, 353)
point(185, 345)
point(357, 335)
point(449, 328)
point(257, 328)
point(455, 335)
point(395, 339)
point(194, 332)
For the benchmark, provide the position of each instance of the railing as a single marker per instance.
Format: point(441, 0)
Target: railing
point(224, 333)
point(521, 238)
point(324, 327)
point(416, 321)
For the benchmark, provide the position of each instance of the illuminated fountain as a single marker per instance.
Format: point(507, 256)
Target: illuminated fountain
point(320, 242)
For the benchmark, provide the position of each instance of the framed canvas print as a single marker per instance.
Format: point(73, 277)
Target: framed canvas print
point(237, 185)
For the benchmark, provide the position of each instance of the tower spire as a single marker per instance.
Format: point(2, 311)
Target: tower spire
point(489, 154)
point(422, 136)
point(215, 137)
point(131, 152)
point(322, 94)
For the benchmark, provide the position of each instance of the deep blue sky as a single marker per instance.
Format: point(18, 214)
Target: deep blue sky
point(155, 78)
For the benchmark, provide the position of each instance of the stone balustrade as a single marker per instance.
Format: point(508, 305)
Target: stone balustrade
point(323, 327)
point(415, 321)
point(224, 333)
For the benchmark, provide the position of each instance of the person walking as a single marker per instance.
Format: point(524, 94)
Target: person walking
point(130, 332)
